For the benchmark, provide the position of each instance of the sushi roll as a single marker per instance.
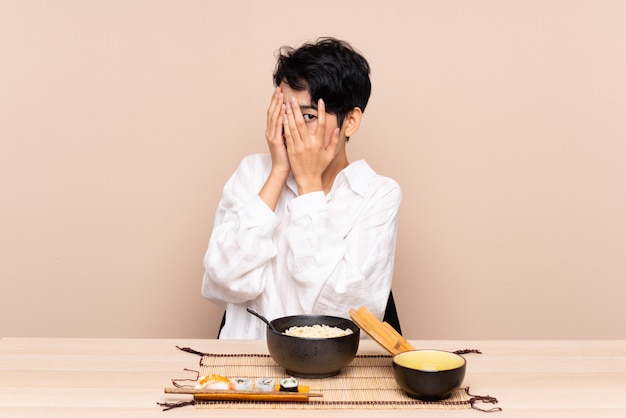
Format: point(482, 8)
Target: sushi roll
point(289, 384)
point(241, 383)
point(214, 382)
point(265, 384)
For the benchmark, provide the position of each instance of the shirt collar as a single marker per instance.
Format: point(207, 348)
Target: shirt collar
point(358, 175)
point(291, 183)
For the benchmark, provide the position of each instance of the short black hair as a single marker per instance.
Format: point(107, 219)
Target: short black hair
point(329, 69)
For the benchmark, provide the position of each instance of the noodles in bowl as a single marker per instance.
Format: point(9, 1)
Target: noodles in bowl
point(317, 331)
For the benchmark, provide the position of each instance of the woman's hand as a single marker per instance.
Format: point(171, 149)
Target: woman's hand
point(270, 192)
point(274, 133)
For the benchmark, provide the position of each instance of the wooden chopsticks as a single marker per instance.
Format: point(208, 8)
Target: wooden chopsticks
point(244, 395)
point(381, 332)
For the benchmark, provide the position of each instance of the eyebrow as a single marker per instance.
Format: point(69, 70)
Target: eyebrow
point(309, 107)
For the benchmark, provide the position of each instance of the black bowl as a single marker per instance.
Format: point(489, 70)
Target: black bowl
point(429, 375)
point(312, 357)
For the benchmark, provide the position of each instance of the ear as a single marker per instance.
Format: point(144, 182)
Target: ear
point(352, 122)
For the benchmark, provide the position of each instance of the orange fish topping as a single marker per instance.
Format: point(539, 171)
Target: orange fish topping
point(214, 378)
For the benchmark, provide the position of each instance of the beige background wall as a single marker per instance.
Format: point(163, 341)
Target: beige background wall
point(503, 121)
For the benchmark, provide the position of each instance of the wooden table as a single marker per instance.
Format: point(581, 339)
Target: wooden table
point(65, 377)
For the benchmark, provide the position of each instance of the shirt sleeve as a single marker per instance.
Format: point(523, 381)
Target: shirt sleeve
point(241, 242)
point(336, 269)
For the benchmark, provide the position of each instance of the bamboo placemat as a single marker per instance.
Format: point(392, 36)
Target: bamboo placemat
point(366, 383)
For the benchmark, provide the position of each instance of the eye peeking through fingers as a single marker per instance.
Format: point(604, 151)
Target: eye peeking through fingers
point(309, 117)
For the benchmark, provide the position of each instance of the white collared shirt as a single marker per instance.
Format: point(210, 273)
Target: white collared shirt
point(315, 254)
